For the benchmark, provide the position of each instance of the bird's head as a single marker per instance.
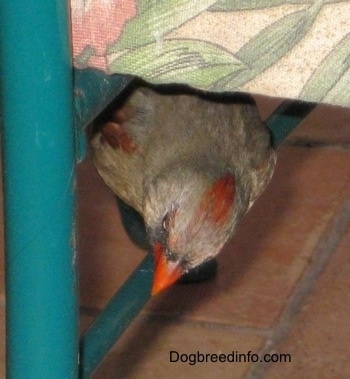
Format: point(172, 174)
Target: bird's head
point(189, 216)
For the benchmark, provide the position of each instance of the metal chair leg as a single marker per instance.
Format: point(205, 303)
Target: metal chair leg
point(39, 179)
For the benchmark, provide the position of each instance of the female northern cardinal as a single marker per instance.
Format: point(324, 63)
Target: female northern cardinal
point(190, 164)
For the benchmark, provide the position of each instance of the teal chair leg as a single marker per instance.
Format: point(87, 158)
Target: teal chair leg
point(39, 179)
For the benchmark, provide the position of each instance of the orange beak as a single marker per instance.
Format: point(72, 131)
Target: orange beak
point(166, 272)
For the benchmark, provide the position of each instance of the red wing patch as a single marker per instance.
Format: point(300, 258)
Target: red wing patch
point(117, 137)
point(217, 201)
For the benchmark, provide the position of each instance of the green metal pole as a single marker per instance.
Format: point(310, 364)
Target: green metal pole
point(115, 318)
point(286, 117)
point(39, 178)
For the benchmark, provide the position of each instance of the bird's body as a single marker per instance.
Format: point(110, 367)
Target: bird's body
point(191, 166)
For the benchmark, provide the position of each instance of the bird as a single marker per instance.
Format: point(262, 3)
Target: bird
point(190, 163)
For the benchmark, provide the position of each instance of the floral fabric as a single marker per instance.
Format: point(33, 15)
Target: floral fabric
point(283, 48)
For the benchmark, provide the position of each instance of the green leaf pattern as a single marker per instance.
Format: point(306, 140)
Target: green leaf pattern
point(195, 62)
point(229, 5)
point(148, 48)
point(330, 82)
point(272, 44)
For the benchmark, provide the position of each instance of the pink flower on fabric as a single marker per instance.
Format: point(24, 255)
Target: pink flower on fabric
point(95, 24)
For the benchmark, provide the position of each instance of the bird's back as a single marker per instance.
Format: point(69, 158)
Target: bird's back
point(212, 134)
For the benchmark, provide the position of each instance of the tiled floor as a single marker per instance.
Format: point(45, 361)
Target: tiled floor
point(282, 284)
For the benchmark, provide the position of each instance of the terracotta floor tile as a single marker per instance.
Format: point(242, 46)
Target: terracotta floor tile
point(2, 270)
point(144, 351)
point(319, 340)
point(2, 341)
point(258, 271)
point(325, 124)
point(2, 248)
point(107, 257)
point(259, 268)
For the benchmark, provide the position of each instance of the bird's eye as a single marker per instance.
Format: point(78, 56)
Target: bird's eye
point(166, 224)
point(169, 219)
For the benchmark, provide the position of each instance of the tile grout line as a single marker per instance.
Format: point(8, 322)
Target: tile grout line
point(314, 143)
point(323, 251)
point(263, 332)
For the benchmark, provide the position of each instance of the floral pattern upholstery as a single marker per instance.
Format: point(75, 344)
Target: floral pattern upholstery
point(283, 48)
